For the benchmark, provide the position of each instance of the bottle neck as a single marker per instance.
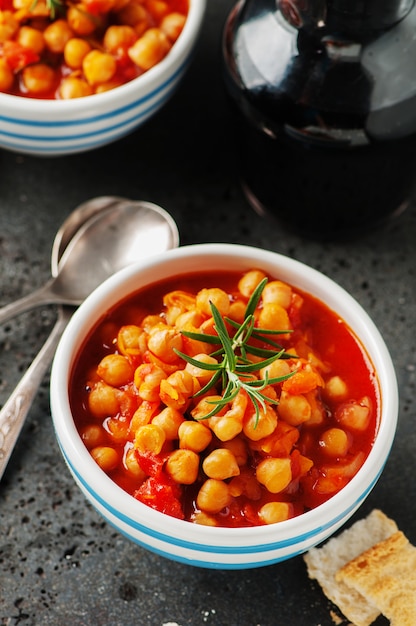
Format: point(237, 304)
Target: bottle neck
point(347, 17)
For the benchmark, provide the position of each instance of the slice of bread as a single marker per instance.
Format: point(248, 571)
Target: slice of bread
point(386, 575)
point(324, 562)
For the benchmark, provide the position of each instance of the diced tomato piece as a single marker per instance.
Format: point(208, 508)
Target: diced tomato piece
point(302, 381)
point(17, 56)
point(6, 5)
point(151, 464)
point(161, 496)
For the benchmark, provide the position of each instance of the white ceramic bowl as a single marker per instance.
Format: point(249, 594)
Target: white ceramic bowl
point(195, 544)
point(59, 127)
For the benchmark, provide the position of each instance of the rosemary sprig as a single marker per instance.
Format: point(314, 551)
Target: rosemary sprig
point(234, 369)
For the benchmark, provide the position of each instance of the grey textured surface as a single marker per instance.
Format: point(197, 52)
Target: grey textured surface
point(60, 564)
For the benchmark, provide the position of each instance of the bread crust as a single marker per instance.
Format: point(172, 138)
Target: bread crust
point(324, 562)
point(385, 575)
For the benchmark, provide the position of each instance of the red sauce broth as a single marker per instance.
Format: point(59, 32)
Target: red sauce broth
point(326, 333)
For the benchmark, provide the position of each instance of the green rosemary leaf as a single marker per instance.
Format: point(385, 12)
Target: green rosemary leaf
point(234, 369)
point(255, 367)
point(210, 384)
point(201, 364)
point(255, 298)
point(224, 336)
point(202, 337)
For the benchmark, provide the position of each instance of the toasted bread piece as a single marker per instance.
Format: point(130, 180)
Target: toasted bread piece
point(386, 576)
point(323, 563)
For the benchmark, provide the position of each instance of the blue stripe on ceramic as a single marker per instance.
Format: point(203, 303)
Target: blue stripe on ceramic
point(75, 138)
point(206, 564)
point(104, 116)
point(219, 549)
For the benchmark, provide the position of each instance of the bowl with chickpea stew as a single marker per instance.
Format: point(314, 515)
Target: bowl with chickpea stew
point(75, 76)
point(224, 406)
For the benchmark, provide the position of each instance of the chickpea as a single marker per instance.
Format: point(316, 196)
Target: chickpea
point(237, 311)
point(245, 484)
point(169, 420)
point(183, 466)
point(80, 20)
point(277, 292)
point(248, 283)
point(225, 428)
point(73, 87)
point(149, 438)
point(157, 8)
point(115, 370)
point(118, 429)
point(256, 429)
point(31, 38)
point(274, 473)
point(176, 390)
point(336, 388)
point(274, 512)
point(149, 49)
point(194, 436)
point(8, 26)
point(74, 52)
point(103, 400)
point(132, 465)
point(6, 76)
point(56, 35)
point(218, 297)
point(354, 415)
point(119, 38)
point(205, 406)
point(274, 317)
point(106, 457)
point(172, 25)
point(147, 379)
point(92, 435)
point(163, 342)
point(111, 84)
point(98, 67)
point(294, 409)
point(276, 369)
point(130, 339)
point(239, 449)
point(213, 496)
point(143, 415)
point(203, 375)
point(199, 517)
point(38, 78)
point(133, 14)
point(335, 442)
point(221, 464)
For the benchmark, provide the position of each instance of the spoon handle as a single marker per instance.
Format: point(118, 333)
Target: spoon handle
point(37, 297)
point(15, 410)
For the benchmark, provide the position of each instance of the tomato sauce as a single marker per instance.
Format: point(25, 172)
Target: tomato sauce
point(324, 345)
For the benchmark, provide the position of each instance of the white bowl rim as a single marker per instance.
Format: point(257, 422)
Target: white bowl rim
point(219, 538)
point(124, 93)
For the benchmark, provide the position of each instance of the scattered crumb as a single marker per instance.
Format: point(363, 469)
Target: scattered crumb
point(335, 618)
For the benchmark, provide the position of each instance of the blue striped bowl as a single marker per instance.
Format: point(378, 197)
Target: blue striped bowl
point(204, 546)
point(60, 127)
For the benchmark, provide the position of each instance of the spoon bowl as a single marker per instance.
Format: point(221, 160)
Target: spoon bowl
point(77, 218)
point(114, 237)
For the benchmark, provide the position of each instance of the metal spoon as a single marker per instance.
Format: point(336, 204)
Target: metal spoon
point(107, 242)
point(160, 232)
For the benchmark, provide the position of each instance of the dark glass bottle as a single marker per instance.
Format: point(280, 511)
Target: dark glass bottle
point(325, 105)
